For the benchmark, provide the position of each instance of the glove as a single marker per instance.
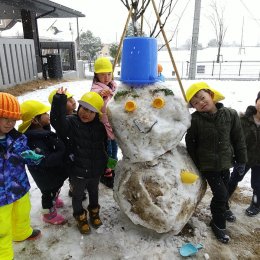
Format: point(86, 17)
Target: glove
point(31, 155)
point(111, 164)
point(240, 168)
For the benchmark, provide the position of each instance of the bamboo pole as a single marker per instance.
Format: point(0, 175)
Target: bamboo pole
point(169, 50)
point(122, 37)
point(142, 18)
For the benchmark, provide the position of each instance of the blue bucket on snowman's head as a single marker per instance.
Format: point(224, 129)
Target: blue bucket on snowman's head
point(139, 61)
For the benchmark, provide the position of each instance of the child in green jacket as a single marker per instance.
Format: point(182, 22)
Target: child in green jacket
point(214, 141)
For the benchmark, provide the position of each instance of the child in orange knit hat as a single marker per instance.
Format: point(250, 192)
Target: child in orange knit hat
point(14, 184)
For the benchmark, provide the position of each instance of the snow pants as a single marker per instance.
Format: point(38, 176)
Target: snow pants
point(78, 191)
point(218, 182)
point(14, 225)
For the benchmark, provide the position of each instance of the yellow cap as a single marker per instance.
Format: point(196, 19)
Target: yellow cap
point(50, 98)
point(194, 88)
point(92, 101)
point(103, 65)
point(29, 110)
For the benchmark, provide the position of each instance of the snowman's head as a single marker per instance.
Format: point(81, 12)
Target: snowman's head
point(147, 121)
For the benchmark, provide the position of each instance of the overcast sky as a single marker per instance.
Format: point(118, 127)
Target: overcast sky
point(106, 19)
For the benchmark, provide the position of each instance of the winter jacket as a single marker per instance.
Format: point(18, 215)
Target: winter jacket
point(215, 141)
point(14, 183)
point(98, 87)
point(252, 136)
point(50, 173)
point(86, 142)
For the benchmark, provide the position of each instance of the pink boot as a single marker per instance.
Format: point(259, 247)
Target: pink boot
point(52, 217)
point(59, 203)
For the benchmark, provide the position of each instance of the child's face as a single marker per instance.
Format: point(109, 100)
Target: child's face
point(257, 106)
point(86, 115)
point(71, 105)
point(104, 78)
point(6, 125)
point(202, 101)
point(43, 120)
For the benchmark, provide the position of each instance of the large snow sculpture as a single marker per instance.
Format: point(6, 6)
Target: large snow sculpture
point(156, 183)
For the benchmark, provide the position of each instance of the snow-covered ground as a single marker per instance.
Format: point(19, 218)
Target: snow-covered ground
point(118, 237)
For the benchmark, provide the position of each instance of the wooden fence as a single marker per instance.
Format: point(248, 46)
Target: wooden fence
point(17, 62)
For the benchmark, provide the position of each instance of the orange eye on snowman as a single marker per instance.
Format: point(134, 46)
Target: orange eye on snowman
point(130, 106)
point(158, 102)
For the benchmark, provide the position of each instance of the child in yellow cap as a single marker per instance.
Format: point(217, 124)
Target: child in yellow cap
point(105, 86)
point(71, 103)
point(214, 141)
point(49, 175)
point(70, 110)
point(15, 203)
point(86, 144)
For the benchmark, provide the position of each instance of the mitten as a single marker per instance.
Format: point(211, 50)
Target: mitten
point(240, 168)
point(31, 155)
point(111, 164)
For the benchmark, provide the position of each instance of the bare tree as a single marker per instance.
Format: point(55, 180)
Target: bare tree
point(217, 20)
point(165, 8)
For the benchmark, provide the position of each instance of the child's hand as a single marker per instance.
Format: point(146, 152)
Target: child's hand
point(31, 155)
point(62, 90)
point(105, 92)
point(240, 168)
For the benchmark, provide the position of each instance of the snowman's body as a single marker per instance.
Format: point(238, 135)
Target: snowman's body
point(148, 185)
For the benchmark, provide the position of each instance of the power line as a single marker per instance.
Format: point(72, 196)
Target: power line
point(251, 14)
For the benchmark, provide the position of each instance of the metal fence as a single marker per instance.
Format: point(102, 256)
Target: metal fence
point(244, 70)
point(17, 62)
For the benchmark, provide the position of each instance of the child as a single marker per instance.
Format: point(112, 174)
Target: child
point(49, 175)
point(213, 140)
point(14, 184)
point(251, 126)
point(87, 139)
point(70, 110)
point(71, 103)
point(105, 86)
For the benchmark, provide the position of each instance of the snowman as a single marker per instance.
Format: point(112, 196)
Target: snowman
point(156, 183)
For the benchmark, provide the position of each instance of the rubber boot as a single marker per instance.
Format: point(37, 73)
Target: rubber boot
point(220, 234)
point(94, 217)
point(51, 216)
point(82, 223)
point(35, 234)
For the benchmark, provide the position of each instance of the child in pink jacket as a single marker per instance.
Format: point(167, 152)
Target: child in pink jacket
point(105, 86)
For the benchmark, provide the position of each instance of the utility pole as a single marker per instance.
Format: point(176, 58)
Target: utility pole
point(242, 39)
point(195, 38)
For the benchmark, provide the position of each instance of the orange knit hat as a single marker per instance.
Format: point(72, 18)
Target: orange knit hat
point(9, 106)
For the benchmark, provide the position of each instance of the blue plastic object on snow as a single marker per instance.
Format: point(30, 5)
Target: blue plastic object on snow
point(139, 61)
point(189, 249)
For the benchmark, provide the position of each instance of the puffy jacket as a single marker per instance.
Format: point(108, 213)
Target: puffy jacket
point(215, 141)
point(14, 182)
point(86, 142)
point(50, 173)
point(98, 87)
point(252, 137)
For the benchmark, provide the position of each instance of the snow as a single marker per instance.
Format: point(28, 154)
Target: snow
point(118, 237)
